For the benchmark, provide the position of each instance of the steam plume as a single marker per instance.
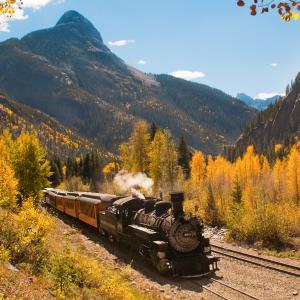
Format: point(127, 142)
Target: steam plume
point(134, 183)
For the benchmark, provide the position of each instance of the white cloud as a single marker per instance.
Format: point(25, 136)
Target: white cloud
point(35, 4)
point(20, 13)
point(274, 65)
point(142, 62)
point(121, 43)
point(265, 96)
point(188, 75)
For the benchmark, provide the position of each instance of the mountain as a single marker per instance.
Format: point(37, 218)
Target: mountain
point(53, 135)
point(259, 104)
point(68, 73)
point(278, 124)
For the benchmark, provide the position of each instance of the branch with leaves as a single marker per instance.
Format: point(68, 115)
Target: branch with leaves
point(8, 7)
point(288, 10)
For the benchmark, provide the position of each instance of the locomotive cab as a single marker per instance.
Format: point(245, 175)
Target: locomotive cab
point(115, 220)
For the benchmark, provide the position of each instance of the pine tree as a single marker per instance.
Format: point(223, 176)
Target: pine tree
point(86, 168)
point(153, 131)
point(210, 209)
point(184, 157)
point(55, 177)
point(237, 192)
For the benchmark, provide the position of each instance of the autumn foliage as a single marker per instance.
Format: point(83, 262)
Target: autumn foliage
point(259, 202)
point(288, 9)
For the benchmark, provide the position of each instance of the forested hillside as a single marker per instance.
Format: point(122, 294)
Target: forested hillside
point(68, 72)
point(274, 130)
point(58, 139)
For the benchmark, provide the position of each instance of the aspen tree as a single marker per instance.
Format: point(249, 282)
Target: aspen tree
point(155, 159)
point(8, 183)
point(134, 153)
point(169, 161)
point(198, 169)
point(31, 167)
point(293, 172)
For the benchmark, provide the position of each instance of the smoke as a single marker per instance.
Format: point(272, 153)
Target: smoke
point(134, 183)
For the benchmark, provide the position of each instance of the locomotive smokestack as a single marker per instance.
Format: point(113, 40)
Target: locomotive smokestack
point(177, 203)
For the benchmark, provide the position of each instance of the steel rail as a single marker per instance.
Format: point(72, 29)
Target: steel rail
point(274, 268)
point(235, 289)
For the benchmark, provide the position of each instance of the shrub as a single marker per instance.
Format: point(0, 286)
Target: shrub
point(23, 235)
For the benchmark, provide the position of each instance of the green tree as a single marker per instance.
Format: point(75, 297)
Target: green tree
point(237, 192)
point(184, 156)
point(211, 215)
point(31, 167)
point(55, 177)
point(153, 131)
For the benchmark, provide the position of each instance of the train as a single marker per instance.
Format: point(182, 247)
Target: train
point(160, 231)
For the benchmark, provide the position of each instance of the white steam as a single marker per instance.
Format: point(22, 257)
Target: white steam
point(134, 183)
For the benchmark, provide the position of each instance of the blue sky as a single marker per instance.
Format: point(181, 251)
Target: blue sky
point(217, 43)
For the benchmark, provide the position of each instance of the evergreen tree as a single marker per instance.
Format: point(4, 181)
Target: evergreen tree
point(210, 209)
point(86, 168)
point(237, 192)
point(153, 131)
point(55, 177)
point(184, 157)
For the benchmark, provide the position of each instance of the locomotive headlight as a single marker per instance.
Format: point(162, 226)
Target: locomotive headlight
point(161, 254)
point(207, 249)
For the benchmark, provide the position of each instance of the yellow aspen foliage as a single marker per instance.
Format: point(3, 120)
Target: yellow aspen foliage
point(248, 168)
point(7, 7)
point(134, 153)
point(198, 169)
point(31, 167)
point(169, 158)
point(278, 148)
point(155, 159)
point(8, 183)
point(293, 174)
point(279, 175)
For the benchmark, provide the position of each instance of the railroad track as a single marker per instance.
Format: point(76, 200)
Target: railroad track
point(257, 260)
point(238, 293)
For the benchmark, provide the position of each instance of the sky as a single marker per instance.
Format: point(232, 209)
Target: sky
point(210, 42)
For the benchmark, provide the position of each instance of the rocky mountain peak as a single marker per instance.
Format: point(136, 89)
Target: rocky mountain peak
point(74, 19)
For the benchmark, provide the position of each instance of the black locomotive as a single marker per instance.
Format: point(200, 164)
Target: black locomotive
point(160, 230)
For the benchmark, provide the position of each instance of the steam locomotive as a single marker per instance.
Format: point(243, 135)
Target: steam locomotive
point(160, 231)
